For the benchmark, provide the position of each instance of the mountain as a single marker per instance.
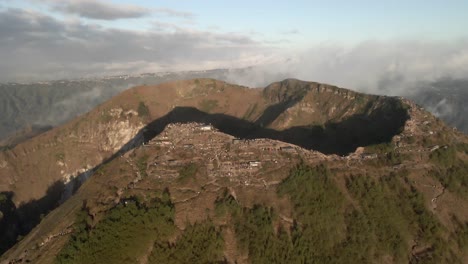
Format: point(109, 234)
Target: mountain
point(205, 171)
point(30, 109)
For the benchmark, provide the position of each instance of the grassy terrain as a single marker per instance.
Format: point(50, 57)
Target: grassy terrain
point(143, 110)
point(200, 243)
point(187, 172)
point(122, 236)
point(208, 105)
point(128, 230)
point(326, 229)
point(451, 170)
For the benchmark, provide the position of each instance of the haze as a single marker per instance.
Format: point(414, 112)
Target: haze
point(355, 45)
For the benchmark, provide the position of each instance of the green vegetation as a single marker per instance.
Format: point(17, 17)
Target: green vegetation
point(208, 105)
point(255, 232)
point(360, 99)
point(200, 243)
point(444, 157)
point(3, 198)
point(390, 216)
point(316, 232)
point(128, 230)
point(226, 204)
point(143, 110)
point(386, 155)
point(381, 148)
point(326, 229)
point(454, 178)
point(318, 210)
point(141, 164)
point(188, 172)
point(5, 148)
point(463, 147)
point(256, 235)
point(122, 235)
point(105, 118)
point(461, 234)
point(451, 171)
point(60, 156)
point(387, 219)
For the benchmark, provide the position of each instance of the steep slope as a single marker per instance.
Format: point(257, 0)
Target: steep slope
point(52, 103)
point(87, 141)
point(309, 116)
point(28, 109)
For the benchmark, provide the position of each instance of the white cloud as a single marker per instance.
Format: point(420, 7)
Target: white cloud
point(96, 9)
point(37, 46)
point(34, 45)
point(102, 10)
point(373, 66)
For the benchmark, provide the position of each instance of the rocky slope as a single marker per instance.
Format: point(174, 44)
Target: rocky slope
point(52, 103)
point(149, 145)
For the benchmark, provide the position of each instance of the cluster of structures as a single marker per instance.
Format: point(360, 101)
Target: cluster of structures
point(221, 155)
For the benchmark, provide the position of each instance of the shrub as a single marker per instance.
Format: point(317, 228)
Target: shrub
point(143, 110)
point(208, 105)
point(188, 171)
point(200, 243)
point(121, 236)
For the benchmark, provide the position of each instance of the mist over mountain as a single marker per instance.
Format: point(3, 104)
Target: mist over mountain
point(446, 99)
point(33, 107)
point(29, 109)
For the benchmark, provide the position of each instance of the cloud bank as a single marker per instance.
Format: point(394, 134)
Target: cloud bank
point(35, 46)
point(101, 10)
point(388, 67)
point(98, 9)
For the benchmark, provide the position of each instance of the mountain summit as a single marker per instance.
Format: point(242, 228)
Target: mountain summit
point(205, 171)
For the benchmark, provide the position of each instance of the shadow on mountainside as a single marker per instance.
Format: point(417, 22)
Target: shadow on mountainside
point(338, 138)
point(331, 138)
point(17, 222)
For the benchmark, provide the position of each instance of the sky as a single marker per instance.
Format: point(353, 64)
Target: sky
point(361, 43)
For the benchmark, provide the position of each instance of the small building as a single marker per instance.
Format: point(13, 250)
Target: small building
point(226, 163)
point(287, 149)
point(173, 162)
point(368, 156)
point(206, 128)
point(436, 147)
point(237, 141)
point(255, 163)
point(162, 143)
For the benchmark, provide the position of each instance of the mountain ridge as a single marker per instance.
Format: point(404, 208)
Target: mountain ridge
point(138, 115)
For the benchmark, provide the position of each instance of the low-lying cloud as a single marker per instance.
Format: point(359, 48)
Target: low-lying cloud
point(389, 67)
